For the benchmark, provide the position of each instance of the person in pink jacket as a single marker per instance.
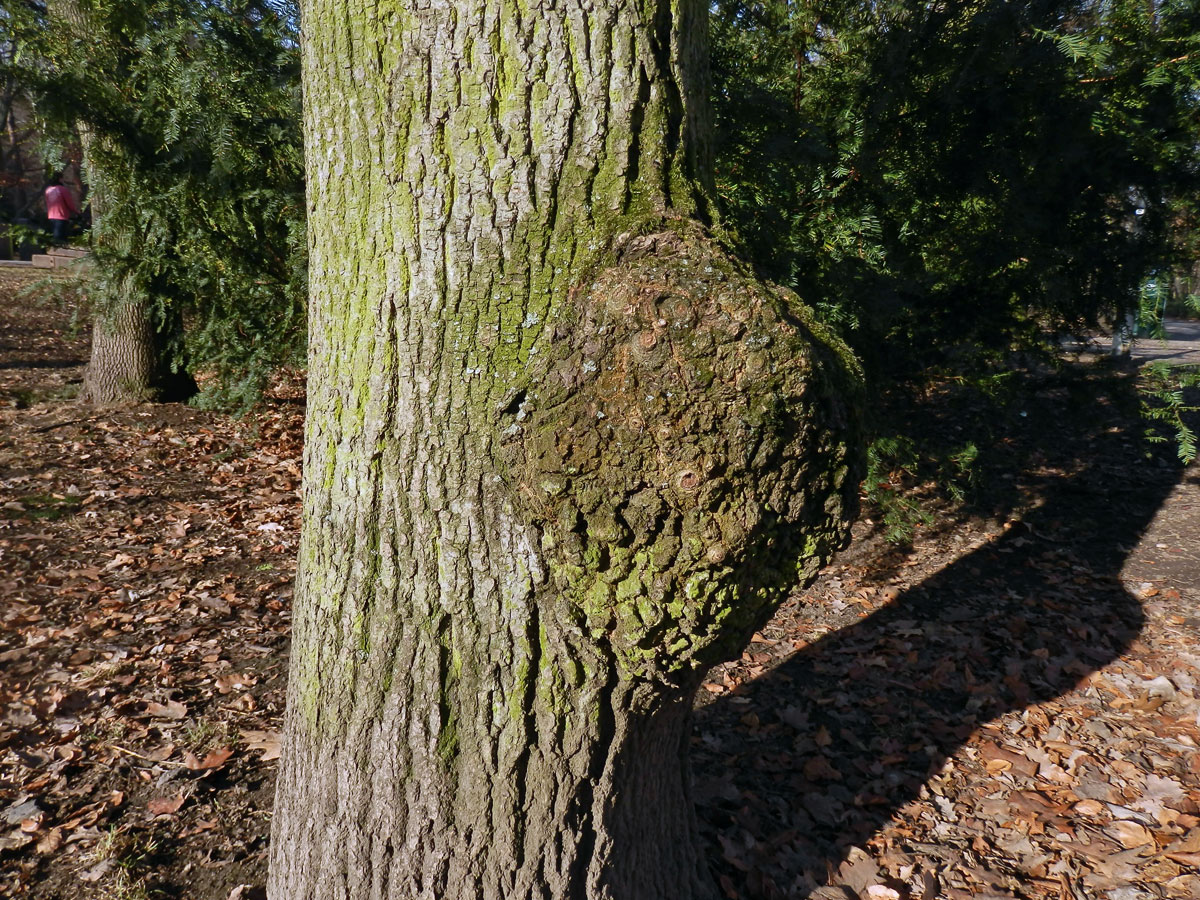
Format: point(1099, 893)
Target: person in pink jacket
point(60, 207)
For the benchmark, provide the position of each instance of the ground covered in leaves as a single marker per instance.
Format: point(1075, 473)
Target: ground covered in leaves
point(146, 561)
point(1005, 709)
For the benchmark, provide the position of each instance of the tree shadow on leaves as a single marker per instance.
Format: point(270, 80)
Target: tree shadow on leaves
point(815, 756)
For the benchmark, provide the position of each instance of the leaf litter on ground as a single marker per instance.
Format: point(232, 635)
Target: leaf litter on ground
point(1006, 709)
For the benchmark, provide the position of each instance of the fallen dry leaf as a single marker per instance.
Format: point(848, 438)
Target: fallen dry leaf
point(50, 841)
point(1189, 843)
point(31, 825)
point(227, 683)
point(165, 806)
point(172, 709)
point(214, 759)
point(1129, 834)
point(266, 741)
point(161, 754)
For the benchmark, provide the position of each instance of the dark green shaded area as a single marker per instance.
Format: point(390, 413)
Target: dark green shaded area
point(955, 186)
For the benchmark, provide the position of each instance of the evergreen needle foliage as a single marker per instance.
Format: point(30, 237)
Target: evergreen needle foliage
point(1166, 404)
point(190, 113)
point(956, 185)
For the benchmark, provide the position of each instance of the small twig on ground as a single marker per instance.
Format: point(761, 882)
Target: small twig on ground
point(53, 425)
point(157, 762)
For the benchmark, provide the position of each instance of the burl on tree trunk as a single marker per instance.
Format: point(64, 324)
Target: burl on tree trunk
point(563, 453)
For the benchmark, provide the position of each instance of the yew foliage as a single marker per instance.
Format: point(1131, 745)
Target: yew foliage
point(193, 113)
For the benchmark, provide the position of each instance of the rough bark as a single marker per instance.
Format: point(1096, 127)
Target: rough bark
point(562, 454)
point(127, 363)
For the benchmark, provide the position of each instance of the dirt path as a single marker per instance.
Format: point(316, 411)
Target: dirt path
point(145, 578)
point(1007, 709)
point(1181, 346)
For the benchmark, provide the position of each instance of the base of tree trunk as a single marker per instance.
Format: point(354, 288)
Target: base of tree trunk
point(178, 387)
point(127, 364)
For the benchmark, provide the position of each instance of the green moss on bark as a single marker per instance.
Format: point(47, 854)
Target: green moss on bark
point(685, 444)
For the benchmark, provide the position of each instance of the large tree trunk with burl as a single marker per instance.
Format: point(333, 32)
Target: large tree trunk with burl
point(563, 454)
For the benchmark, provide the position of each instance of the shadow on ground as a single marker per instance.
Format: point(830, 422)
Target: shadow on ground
point(849, 729)
point(45, 364)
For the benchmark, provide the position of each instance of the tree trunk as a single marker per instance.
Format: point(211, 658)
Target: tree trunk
point(563, 453)
point(129, 359)
point(129, 362)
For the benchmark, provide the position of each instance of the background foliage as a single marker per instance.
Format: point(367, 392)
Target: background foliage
point(956, 185)
point(192, 110)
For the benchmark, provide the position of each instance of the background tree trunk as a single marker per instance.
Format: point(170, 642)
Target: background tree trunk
point(129, 362)
point(562, 454)
point(129, 359)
